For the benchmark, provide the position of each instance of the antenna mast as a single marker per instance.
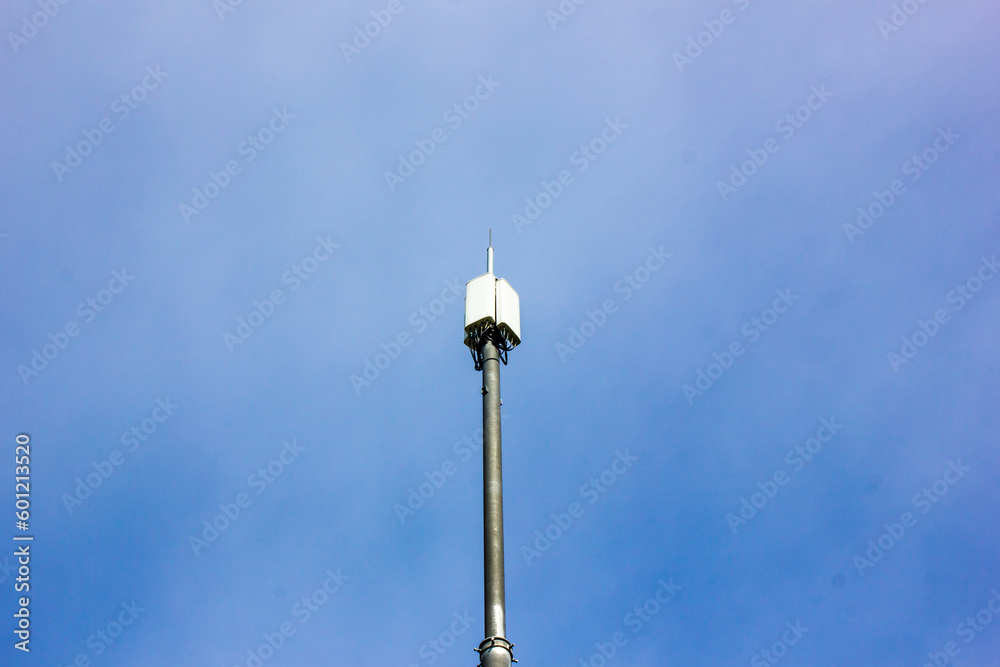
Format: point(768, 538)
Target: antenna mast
point(492, 328)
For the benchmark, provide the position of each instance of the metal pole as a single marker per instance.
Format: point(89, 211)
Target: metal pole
point(495, 650)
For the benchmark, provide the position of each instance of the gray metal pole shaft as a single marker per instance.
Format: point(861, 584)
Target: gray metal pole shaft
point(495, 606)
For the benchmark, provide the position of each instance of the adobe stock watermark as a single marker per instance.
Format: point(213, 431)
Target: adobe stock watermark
point(437, 477)
point(629, 284)
point(901, 13)
point(788, 125)
point(958, 299)
point(30, 25)
point(581, 158)
point(88, 309)
point(294, 276)
point(915, 167)
point(223, 7)
point(135, 437)
point(259, 481)
point(779, 649)
point(455, 116)
point(381, 18)
point(562, 12)
point(797, 458)
point(249, 149)
point(753, 330)
point(303, 611)
point(432, 650)
point(419, 320)
point(968, 630)
point(122, 107)
point(593, 490)
point(104, 637)
point(927, 498)
point(697, 43)
point(636, 619)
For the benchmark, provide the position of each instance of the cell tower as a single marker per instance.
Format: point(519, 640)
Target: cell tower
point(492, 328)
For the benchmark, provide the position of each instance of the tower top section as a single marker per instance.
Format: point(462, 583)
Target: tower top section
point(492, 309)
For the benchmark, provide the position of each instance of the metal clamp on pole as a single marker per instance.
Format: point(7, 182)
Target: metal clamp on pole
point(495, 652)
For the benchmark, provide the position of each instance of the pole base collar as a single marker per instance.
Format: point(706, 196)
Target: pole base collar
point(495, 652)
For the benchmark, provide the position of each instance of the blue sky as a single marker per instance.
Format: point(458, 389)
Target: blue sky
point(755, 406)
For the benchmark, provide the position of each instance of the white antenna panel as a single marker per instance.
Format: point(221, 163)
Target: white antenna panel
point(480, 302)
point(508, 312)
